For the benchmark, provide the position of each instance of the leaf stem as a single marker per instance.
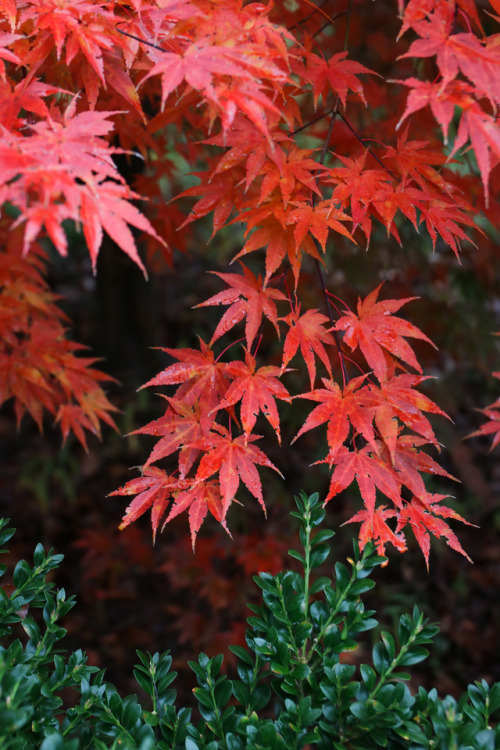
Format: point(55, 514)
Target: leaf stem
point(334, 612)
point(307, 558)
point(395, 662)
point(368, 148)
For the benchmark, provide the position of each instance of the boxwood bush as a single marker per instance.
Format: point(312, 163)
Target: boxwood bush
point(292, 689)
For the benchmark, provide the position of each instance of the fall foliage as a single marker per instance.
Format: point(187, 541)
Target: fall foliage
point(275, 113)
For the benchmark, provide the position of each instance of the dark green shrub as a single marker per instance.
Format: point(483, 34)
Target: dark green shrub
point(292, 690)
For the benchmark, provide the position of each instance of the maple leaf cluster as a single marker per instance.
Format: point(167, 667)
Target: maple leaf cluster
point(38, 365)
point(468, 69)
point(232, 88)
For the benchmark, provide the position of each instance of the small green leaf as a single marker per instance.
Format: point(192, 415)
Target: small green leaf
point(319, 555)
point(368, 676)
point(22, 573)
point(318, 585)
point(360, 586)
point(297, 556)
point(203, 696)
point(242, 653)
point(414, 656)
point(322, 536)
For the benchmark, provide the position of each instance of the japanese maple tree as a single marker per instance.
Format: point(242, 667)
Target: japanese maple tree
point(274, 106)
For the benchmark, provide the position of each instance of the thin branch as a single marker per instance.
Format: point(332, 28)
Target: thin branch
point(347, 25)
point(306, 19)
point(368, 148)
point(329, 23)
point(139, 39)
point(334, 114)
point(336, 336)
point(312, 122)
point(317, 9)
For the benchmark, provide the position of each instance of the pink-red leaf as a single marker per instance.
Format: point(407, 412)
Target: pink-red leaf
point(153, 490)
point(249, 299)
point(424, 519)
point(370, 472)
point(256, 389)
point(198, 501)
point(234, 459)
point(375, 328)
point(375, 528)
point(309, 332)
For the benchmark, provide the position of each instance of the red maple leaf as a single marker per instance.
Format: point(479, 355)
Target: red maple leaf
point(317, 219)
point(248, 145)
point(341, 408)
point(85, 414)
point(235, 460)
point(374, 528)
point(435, 95)
point(248, 299)
point(77, 25)
point(200, 65)
point(198, 501)
point(407, 404)
point(76, 141)
point(483, 132)
point(410, 462)
point(153, 490)
point(443, 217)
point(9, 8)
point(490, 428)
point(218, 195)
point(177, 429)
point(39, 367)
point(65, 171)
point(307, 331)
point(388, 200)
point(202, 379)
point(479, 62)
point(355, 187)
point(424, 519)
point(292, 170)
point(27, 95)
point(370, 472)
point(275, 230)
point(257, 390)
point(493, 426)
point(417, 10)
point(337, 74)
point(7, 54)
point(414, 161)
point(106, 205)
point(375, 328)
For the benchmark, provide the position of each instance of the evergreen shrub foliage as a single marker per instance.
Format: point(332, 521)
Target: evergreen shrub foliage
point(292, 689)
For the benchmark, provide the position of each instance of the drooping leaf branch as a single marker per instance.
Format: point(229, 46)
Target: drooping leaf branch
point(229, 86)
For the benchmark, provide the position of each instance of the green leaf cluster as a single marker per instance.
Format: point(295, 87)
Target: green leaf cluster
point(292, 688)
